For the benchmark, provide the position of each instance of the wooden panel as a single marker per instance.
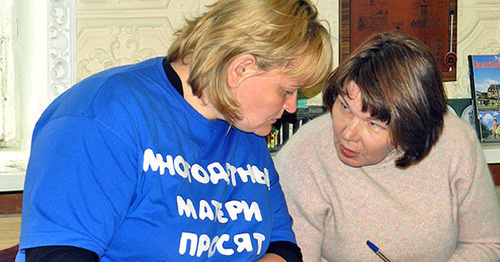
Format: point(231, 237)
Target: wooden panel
point(435, 23)
point(11, 203)
point(495, 173)
point(10, 228)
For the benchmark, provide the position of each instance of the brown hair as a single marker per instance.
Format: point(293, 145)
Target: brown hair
point(401, 85)
point(278, 33)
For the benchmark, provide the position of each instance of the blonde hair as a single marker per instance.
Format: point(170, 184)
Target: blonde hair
point(278, 33)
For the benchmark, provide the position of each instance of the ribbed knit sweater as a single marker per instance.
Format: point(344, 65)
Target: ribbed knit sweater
point(441, 209)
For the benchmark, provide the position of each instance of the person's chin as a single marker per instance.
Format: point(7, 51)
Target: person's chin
point(263, 130)
point(350, 162)
point(260, 131)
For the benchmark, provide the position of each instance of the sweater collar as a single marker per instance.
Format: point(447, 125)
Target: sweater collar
point(388, 162)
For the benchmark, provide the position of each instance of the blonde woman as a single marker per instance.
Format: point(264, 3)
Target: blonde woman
point(166, 160)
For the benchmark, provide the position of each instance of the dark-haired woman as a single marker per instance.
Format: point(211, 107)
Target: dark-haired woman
point(389, 165)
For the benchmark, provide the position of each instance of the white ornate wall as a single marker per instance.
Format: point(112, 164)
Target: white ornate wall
point(119, 32)
point(111, 33)
point(61, 46)
point(478, 34)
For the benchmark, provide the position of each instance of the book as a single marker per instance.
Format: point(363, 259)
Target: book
point(484, 73)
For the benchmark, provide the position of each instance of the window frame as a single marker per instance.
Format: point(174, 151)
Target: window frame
point(44, 58)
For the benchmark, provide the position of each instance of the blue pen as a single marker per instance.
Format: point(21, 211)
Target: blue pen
point(377, 251)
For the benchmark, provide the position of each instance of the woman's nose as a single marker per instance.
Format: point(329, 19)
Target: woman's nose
point(290, 104)
point(352, 130)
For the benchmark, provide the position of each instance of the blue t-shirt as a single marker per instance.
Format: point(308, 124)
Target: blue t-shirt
point(123, 166)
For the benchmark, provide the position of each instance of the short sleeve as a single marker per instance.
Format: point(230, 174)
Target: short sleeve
point(79, 184)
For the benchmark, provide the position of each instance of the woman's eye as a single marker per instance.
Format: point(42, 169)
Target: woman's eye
point(378, 125)
point(288, 92)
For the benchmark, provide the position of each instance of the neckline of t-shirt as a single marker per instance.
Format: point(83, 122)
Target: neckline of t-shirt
point(186, 107)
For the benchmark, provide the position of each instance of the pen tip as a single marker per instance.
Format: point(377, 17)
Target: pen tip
point(372, 246)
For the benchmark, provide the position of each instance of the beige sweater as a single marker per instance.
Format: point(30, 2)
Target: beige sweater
point(443, 209)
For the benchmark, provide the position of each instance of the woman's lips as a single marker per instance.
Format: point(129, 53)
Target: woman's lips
point(348, 153)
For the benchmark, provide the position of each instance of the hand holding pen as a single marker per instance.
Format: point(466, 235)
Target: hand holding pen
point(377, 251)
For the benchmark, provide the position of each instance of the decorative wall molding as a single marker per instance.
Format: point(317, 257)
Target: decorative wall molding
point(478, 33)
point(113, 43)
point(61, 46)
point(121, 46)
point(114, 33)
point(100, 5)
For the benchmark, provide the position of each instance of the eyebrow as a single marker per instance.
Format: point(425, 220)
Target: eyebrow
point(375, 119)
point(371, 118)
point(342, 100)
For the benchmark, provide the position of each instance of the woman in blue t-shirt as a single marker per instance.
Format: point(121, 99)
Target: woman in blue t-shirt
point(166, 159)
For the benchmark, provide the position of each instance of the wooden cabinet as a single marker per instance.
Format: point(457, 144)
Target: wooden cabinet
point(495, 173)
point(11, 203)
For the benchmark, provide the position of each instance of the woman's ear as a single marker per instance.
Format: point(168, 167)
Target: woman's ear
point(240, 68)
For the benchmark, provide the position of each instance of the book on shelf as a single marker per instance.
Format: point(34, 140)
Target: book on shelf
point(484, 71)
